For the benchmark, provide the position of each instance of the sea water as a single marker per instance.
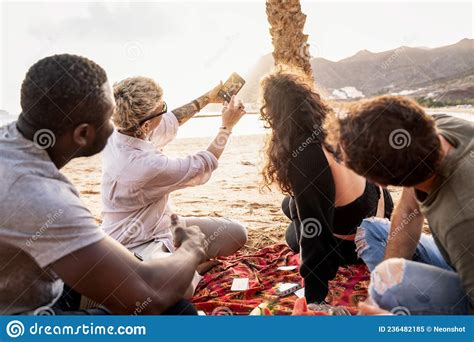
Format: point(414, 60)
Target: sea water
point(208, 125)
point(250, 124)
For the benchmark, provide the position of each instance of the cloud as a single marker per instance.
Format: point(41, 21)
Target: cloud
point(112, 22)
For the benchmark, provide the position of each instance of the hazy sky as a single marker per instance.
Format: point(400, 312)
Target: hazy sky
point(189, 46)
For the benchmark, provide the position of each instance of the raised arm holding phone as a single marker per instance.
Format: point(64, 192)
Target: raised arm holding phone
point(220, 93)
point(140, 191)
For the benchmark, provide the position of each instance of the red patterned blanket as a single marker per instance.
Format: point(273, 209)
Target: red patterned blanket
point(214, 296)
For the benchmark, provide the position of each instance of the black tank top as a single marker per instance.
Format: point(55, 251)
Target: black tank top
point(347, 218)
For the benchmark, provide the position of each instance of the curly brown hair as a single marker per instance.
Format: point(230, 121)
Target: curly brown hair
point(295, 112)
point(389, 140)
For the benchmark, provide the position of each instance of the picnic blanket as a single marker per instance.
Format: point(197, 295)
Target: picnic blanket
point(214, 297)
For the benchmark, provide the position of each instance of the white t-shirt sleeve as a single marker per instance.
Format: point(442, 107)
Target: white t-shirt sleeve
point(55, 224)
point(166, 130)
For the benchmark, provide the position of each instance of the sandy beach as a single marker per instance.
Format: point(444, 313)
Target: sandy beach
point(233, 190)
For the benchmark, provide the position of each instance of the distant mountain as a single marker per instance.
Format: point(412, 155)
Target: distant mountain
point(5, 117)
point(445, 72)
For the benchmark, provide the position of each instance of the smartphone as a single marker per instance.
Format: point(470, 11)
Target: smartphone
point(231, 87)
point(285, 289)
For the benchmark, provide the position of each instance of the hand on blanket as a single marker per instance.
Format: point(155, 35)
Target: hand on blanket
point(192, 239)
point(206, 266)
point(330, 309)
point(368, 309)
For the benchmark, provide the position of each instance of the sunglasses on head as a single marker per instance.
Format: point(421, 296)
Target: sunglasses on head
point(163, 110)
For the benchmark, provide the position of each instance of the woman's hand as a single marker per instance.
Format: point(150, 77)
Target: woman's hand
point(368, 309)
point(232, 113)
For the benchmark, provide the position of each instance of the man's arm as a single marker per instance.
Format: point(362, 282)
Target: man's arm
point(186, 112)
point(109, 274)
point(406, 227)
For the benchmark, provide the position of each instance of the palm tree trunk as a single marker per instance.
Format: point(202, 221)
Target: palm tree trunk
point(286, 28)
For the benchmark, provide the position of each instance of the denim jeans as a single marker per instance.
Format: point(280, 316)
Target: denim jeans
point(371, 240)
point(426, 285)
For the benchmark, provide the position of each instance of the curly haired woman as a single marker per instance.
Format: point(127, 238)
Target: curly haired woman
point(326, 201)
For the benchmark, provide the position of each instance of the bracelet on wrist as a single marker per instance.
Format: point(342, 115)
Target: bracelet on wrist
point(224, 128)
point(198, 106)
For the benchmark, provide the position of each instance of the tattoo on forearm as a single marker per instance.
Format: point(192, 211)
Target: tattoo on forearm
point(186, 112)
